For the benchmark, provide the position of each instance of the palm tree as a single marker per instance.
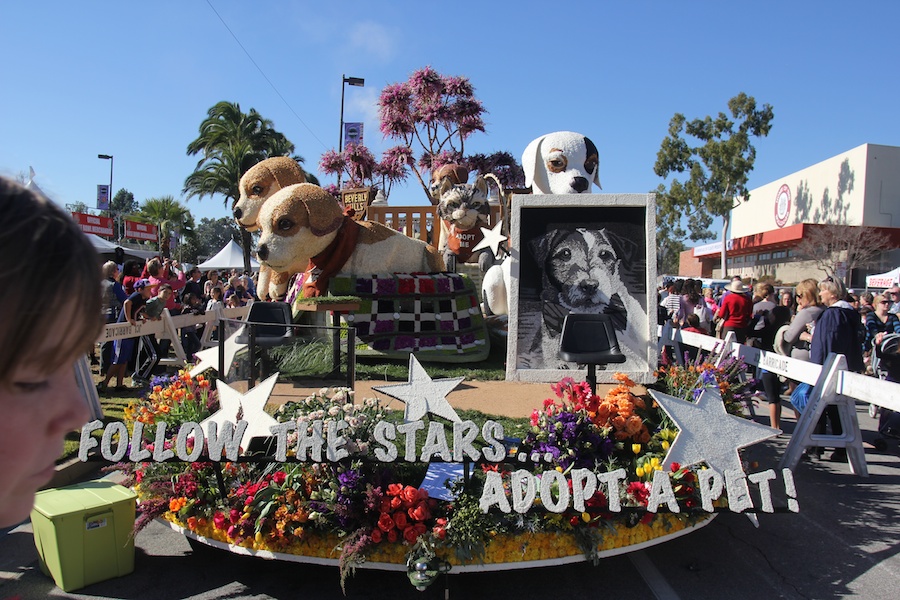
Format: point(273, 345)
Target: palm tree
point(230, 142)
point(169, 215)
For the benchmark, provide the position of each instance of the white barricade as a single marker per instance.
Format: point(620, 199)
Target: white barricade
point(832, 384)
point(169, 328)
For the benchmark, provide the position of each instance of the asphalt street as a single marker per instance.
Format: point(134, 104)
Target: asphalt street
point(843, 543)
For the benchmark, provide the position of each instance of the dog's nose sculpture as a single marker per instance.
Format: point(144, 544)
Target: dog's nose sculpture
point(263, 251)
point(580, 184)
point(238, 213)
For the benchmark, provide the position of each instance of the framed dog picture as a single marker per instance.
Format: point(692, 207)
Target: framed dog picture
point(581, 253)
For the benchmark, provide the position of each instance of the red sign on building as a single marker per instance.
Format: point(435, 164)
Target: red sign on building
point(102, 226)
point(140, 231)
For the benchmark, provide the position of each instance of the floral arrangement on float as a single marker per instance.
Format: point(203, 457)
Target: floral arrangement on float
point(356, 483)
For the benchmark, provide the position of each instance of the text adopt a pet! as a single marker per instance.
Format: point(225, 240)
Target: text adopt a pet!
point(256, 186)
point(562, 162)
point(304, 231)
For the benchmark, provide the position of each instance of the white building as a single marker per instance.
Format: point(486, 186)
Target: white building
point(855, 188)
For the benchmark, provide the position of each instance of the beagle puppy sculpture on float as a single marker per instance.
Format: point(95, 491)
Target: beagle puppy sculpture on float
point(303, 226)
point(562, 162)
point(256, 186)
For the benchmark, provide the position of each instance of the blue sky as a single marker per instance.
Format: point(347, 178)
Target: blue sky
point(135, 79)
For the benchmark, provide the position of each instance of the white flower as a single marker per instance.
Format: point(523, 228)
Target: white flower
point(334, 411)
point(349, 408)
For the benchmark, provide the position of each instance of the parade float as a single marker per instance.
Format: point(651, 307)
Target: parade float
point(338, 480)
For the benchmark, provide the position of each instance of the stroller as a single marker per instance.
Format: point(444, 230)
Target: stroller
point(886, 366)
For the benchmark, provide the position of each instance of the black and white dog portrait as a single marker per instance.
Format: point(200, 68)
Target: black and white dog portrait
point(580, 253)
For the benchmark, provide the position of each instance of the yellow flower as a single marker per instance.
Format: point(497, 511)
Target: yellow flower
point(636, 448)
point(639, 471)
point(665, 444)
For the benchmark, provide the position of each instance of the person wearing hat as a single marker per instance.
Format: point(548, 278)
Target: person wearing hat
point(123, 349)
point(893, 294)
point(736, 311)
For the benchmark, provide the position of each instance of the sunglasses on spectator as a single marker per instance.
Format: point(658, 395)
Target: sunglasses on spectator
point(884, 302)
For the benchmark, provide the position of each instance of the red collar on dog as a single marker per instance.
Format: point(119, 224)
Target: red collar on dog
point(331, 259)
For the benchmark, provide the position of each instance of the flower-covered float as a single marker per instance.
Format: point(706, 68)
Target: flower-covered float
point(330, 479)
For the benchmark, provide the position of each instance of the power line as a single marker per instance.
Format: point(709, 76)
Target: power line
point(266, 77)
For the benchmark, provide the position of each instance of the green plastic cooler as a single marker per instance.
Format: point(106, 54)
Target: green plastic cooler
point(83, 532)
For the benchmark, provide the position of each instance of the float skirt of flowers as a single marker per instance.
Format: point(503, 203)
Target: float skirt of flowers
point(504, 552)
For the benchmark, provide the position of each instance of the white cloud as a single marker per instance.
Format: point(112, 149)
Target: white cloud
point(371, 40)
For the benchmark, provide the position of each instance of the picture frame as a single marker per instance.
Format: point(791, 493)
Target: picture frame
point(581, 253)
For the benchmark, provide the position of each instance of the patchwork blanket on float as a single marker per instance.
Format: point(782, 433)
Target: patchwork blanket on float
point(437, 316)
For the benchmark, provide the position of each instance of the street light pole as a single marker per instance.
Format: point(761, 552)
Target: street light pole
point(357, 82)
point(109, 157)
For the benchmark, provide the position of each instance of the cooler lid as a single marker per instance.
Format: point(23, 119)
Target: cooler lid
point(80, 497)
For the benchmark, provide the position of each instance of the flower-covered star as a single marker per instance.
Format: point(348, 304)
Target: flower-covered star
point(492, 239)
point(249, 407)
point(708, 433)
point(209, 358)
point(422, 394)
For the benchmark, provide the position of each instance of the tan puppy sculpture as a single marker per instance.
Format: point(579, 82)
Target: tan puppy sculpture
point(303, 223)
point(256, 186)
point(261, 181)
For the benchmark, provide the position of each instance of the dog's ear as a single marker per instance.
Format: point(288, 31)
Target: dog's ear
point(285, 171)
point(325, 214)
point(626, 249)
point(541, 246)
point(446, 186)
point(592, 161)
point(534, 167)
point(481, 185)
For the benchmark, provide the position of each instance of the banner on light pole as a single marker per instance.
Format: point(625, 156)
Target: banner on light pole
point(103, 196)
point(353, 133)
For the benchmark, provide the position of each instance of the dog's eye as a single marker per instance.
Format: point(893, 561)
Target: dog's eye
point(607, 256)
point(557, 164)
point(257, 190)
point(564, 254)
point(284, 224)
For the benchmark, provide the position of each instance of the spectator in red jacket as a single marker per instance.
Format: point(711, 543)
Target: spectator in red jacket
point(736, 311)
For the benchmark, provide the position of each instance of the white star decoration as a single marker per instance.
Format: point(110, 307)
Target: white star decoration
point(250, 406)
point(492, 239)
point(209, 358)
point(422, 394)
point(708, 433)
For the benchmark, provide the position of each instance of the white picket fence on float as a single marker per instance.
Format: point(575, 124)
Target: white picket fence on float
point(832, 384)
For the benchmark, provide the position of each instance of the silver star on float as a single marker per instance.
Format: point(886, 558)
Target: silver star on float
point(209, 358)
point(249, 406)
point(492, 239)
point(708, 433)
point(422, 394)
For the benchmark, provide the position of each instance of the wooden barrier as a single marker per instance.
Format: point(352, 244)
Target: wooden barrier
point(832, 384)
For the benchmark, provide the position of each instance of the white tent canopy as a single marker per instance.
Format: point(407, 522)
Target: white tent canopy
point(884, 280)
point(106, 247)
point(229, 257)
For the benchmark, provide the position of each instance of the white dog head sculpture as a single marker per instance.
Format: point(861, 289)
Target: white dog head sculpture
point(261, 181)
point(562, 162)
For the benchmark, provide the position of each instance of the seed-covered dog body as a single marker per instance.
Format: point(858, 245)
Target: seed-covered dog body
point(303, 229)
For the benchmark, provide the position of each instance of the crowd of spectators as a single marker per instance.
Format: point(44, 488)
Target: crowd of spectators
point(808, 322)
point(135, 292)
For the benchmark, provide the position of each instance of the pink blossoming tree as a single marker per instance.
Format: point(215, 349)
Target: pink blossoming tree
point(435, 114)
